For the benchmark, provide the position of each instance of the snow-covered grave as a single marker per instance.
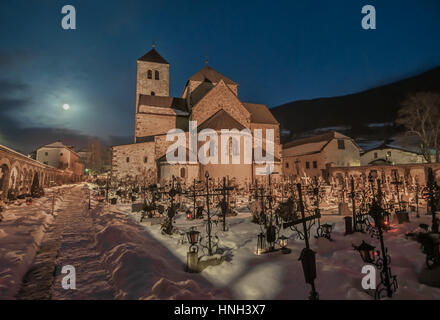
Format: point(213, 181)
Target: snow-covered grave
point(246, 275)
point(142, 263)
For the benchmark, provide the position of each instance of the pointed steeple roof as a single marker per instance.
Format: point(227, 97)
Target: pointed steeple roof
point(153, 56)
point(207, 73)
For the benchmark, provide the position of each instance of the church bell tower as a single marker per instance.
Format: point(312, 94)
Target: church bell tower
point(153, 75)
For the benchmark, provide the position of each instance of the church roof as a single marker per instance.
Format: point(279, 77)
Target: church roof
point(198, 93)
point(207, 73)
point(221, 120)
point(153, 56)
point(164, 102)
point(260, 113)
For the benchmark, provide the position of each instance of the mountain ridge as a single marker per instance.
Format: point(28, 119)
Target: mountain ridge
point(355, 111)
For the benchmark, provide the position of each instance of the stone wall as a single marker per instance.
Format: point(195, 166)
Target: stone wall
point(297, 166)
point(220, 97)
point(133, 160)
point(17, 172)
point(157, 124)
point(185, 172)
point(415, 173)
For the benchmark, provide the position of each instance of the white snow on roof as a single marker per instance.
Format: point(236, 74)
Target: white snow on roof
point(303, 149)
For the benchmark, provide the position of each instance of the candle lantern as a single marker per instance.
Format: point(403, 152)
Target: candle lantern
point(386, 219)
point(261, 244)
point(327, 230)
point(283, 241)
point(366, 251)
point(193, 237)
point(192, 259)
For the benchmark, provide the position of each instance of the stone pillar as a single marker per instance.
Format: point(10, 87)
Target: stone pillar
point(192, 261)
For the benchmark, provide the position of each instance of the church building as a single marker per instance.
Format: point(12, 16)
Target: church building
point(211, 100)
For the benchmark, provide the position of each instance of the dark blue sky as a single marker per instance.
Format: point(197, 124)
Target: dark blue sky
point(279, 51)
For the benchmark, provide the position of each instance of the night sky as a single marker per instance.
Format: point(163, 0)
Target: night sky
point(279, 51)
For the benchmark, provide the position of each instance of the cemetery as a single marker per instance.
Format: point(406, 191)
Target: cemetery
point(216, 228)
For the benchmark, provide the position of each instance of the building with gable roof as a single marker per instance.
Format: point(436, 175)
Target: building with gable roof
point(387, 154)
point(313, 156)
point(209, 98)
point(60, 156)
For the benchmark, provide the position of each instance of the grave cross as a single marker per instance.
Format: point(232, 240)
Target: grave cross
point(208, 212)
point(192, 193)
point(396, 183)
point(307, 255)
point(271, 229)
point(224, 204)
point(168, 223)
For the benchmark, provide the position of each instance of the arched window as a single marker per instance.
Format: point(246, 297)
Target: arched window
point(153, 93)
point(150, 74)
point(182, 172)
point(156, 75)
point(235, 147)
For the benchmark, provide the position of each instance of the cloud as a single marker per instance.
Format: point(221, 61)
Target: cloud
point(13, 60)
point(26, 140)
point(15, 97)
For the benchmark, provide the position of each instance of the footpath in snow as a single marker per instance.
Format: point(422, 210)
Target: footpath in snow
point(113, 256)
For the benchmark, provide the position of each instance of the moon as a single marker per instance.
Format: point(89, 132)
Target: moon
point(66, 106)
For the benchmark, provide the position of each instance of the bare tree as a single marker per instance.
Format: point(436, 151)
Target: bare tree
point(97, 154)
point(420, 115)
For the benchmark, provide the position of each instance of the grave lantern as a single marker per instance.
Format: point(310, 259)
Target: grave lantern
point(192, 258)
point(386, 219)
point(283, 241)
point(261, 244)
point(366, 251)
point(193, 236)
point(188, 215)
point(327, 228)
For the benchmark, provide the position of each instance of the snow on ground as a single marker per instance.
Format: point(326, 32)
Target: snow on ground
point(116, 257)
point(279, 276)
point(142, 267)
point(21, 232)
